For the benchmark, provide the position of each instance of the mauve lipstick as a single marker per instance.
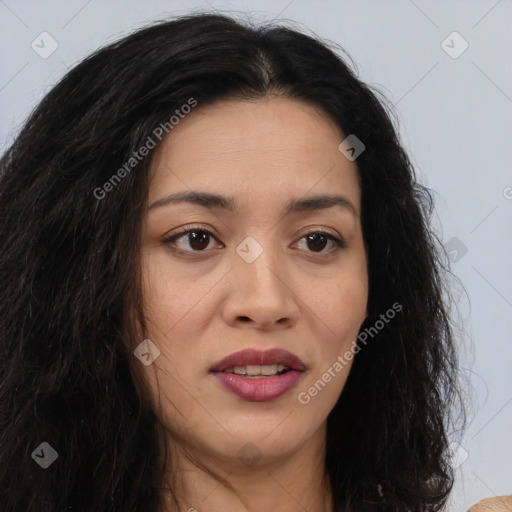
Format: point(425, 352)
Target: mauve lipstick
point(260, 388)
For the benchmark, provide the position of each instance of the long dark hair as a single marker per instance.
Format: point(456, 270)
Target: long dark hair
point(70, 273)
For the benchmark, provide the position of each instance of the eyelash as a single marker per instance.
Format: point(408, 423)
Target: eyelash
point(339, 242)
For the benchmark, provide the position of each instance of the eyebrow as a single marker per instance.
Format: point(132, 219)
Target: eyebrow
point(218, 202)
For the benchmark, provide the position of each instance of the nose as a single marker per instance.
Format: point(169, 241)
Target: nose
point(261, 295)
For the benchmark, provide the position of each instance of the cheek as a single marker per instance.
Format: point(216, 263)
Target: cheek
point(341, 309)
point(166, 304)
point(172, 302)
point(177, 313)
point(341, 304)
point(161, 289)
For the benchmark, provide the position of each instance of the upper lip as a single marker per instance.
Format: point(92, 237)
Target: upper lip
point(260, 357)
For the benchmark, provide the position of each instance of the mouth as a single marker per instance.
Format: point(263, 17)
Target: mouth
point(255, 371)
point(259, 376)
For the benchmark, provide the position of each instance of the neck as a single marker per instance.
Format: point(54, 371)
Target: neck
point(207, 482)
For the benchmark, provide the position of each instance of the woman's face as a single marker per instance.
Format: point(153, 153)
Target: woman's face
point(255, 181)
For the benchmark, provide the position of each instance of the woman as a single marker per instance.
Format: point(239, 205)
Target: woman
point(219, 278)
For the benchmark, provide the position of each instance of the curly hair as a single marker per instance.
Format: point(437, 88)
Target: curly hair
point(70, 274)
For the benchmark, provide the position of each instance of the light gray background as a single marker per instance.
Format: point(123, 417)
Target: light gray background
point(455, 116)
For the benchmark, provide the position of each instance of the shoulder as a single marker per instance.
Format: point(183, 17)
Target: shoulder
point(497, 504)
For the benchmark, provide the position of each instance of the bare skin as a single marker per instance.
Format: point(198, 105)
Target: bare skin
point(206, 302)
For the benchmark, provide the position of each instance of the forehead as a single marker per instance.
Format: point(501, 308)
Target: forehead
point(274, 147)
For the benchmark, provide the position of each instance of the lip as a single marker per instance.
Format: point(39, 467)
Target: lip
point(262, 389)
point(260, 357)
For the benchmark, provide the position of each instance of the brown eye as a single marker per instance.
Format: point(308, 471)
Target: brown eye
point(316, 241)
point(198, 240)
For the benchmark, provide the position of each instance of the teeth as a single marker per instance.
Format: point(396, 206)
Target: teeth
point(252, 370)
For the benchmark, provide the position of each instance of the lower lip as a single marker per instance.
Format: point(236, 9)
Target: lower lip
point(263, 389)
